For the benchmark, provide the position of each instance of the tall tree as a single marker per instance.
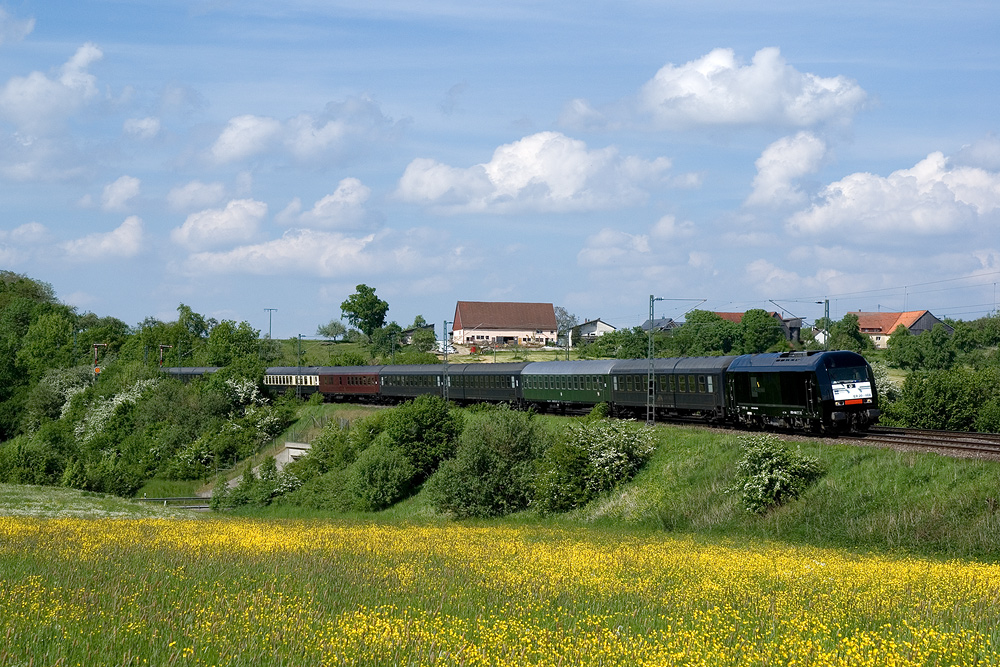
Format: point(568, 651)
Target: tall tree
point(365, 310)
point(760, 331)
point(846, 335)
point(565, 321)
point(385, 340)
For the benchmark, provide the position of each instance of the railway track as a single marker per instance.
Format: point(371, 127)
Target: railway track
point(977, 444)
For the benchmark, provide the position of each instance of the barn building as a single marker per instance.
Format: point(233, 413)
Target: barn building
point(504, 323)
point(879, 326)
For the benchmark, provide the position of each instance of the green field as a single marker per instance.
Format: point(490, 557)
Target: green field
point(892, 558)
point(238, 591)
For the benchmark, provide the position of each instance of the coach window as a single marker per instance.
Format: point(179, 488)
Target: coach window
point(691, 384)
point(681, 383)
point(701, 383)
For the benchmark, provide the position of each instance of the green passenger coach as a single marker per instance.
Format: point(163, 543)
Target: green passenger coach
point(562, 383)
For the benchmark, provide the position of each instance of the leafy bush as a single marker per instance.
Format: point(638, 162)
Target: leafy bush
point(25, 460)
point(948, 400)
point(599, 411)
point(425, 430)
point(770, 474)
point(332, 449)
point(594, 457)
point(379, 477)
point(492, 473)
point(325, 492)
point(258, 487)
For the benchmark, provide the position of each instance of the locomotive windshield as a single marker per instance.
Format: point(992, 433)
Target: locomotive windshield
point(849, 374)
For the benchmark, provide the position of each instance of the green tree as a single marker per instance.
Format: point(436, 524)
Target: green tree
point(425, 430)
point(938, 351)
point(48, 343)
point(17, 286)
point(108, 331)
point(761, 331)
point(365, 310)
point(384, 341)
point(565, 321)
point(229, 342)
point(493, 469)
point(622, 344)
point(704, 332)
point(333, 329)
point(423, 340)
point(846, 335)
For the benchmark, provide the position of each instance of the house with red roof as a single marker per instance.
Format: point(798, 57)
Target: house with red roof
point(504, 323)
point(879, 326)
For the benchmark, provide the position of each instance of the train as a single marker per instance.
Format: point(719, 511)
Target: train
point(815, 391)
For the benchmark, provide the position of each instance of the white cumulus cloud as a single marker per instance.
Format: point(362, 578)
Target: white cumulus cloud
point(245, 136)
point(717, 89)
point(932, 197)
point(667, 228)
point(547, 171)
point(142, 128)
point(302, 251)
point(340, 130)
point(12, 29)
point(36, 102)
point(195, 195)
point(29, 233)
point(238, 222)
point(610, 247)
point(117, 195)
point(781, 165)
point(124, 241)
point(343, 210)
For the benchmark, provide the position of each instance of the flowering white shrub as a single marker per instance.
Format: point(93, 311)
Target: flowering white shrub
point(888, 390)
point(616, 450)
point(244, 391)
point(103, 409)
point(770, 474)
point(593, 458)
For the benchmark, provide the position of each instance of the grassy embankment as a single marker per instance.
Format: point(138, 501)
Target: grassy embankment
point(666, 570)
point(869, 498)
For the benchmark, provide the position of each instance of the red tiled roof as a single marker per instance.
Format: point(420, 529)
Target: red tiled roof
point(504, 315)
point(886, 323)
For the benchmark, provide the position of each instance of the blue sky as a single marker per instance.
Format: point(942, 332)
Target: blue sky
point(239, 156)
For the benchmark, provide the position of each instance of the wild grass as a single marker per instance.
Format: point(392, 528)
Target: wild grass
point(237, 591)
point(869, 498)
point(890, 559)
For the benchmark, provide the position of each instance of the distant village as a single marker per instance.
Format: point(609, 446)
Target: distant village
point(506, 323)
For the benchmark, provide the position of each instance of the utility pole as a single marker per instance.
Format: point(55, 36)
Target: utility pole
point(269, 312)
point(826, 317)
point(447, 343)
point(651, 378)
